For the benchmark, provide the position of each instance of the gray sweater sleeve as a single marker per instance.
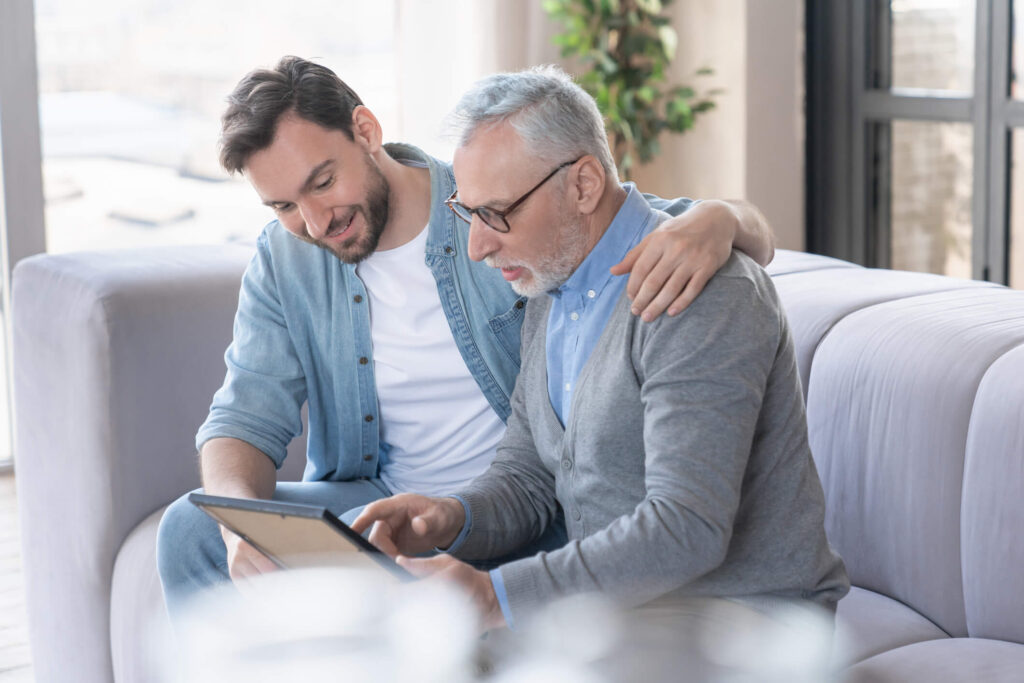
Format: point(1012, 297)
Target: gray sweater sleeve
point(513, 501)
point(702, 378)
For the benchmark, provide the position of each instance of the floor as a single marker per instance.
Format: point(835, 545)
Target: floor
point(15, 662)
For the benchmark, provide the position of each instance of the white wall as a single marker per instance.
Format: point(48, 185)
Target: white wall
point(751, 146)
point(775, 115)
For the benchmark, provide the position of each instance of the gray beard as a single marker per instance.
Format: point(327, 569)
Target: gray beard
point(551, 271)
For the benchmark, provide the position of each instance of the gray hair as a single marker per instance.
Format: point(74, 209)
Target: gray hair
point(556, 118)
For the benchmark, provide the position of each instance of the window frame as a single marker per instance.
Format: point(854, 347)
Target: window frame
point(849, 106)
point(22, 227)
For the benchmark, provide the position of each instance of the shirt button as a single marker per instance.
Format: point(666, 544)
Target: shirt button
point(448, 250)
point(367, 457)
point(591, 293)
point(357, 298)
point(519, 304)
point(568, 386)
point(364, 360)
point(576, 514)
point(575, 315)
point(368, 418)
point(567, 465)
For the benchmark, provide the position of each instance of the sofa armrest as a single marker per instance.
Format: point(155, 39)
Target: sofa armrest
point(116, 358)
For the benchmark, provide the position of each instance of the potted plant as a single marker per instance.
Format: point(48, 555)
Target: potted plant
point(625, 48)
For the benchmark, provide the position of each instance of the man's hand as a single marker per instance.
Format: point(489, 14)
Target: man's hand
point(244, 561)
point(412, 524)
point(671, 266)
point(235, 469)
point(475, 582)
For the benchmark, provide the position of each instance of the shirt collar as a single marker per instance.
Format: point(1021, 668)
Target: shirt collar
point(622, 235)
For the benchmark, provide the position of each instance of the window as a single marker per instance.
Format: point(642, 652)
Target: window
point(131, 92)
point(913, 119)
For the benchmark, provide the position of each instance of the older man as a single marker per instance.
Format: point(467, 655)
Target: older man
point(677, 448)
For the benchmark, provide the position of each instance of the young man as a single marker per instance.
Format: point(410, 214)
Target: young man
point(361, 302)
point(677, 449)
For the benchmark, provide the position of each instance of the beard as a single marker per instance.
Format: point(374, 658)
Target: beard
point(549, 271)
point(375, 217)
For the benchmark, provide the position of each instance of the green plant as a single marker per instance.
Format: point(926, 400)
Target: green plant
point(625, 47)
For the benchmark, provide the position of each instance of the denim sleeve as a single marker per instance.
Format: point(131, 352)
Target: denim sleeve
point(261, 399)
point(672, 207)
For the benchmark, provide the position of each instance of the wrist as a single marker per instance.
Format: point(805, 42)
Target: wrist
point(727, 219)
point(455, 519)
point(494, 613)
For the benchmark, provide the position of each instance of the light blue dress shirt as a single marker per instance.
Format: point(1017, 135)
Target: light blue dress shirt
point(582, 305)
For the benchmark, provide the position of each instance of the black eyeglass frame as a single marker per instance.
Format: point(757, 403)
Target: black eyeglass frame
point(487, 214)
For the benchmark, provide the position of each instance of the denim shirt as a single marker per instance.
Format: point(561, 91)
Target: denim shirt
point(302, 333)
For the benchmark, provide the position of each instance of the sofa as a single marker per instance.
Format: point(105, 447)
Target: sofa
point(915, 403)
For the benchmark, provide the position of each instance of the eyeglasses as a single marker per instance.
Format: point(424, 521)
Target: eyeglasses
point(494, 219)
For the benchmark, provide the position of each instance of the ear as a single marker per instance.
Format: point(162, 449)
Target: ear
point(366, 129)
point(586, 184)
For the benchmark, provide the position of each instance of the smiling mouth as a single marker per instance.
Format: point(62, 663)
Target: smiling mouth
point(339, 228)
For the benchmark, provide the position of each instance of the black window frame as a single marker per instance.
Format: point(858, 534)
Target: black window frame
point(850, 107)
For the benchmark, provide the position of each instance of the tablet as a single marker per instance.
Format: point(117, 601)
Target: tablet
point(295, 536)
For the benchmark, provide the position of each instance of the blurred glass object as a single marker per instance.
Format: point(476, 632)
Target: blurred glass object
point(320, 625)
point(933, 44)
point(931, 197)
point(325, 625)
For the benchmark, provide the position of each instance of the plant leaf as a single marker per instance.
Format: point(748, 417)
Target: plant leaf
point(669, 41)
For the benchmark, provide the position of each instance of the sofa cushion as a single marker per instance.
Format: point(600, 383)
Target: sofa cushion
point(889, 402)
point(787, 261)
point(993, 512)
point(815, 300)
point(139, 627)
point(868, 623)
point(953, 660)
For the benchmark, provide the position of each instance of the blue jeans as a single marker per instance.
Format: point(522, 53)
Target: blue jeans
point(191, 556)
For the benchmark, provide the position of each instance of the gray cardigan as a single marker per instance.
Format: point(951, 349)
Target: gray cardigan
point(683, 469)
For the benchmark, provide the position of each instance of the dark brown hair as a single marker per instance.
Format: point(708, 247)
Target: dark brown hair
point(263, 96)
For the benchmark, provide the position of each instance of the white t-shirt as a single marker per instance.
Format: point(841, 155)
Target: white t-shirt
point(441, 429)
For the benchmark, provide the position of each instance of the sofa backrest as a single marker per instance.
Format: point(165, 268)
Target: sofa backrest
point(992, 518)
point(915, 406)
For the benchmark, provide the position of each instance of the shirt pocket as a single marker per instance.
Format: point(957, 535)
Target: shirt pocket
point(506, 327)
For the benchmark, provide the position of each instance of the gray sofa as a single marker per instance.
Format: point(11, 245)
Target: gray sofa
point(915, 402)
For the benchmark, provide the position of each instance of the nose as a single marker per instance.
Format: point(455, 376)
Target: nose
point(317, 217)
point(483, 240)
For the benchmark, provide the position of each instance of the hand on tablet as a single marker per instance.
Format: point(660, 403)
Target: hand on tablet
point(243, 560)
point(409, 524)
